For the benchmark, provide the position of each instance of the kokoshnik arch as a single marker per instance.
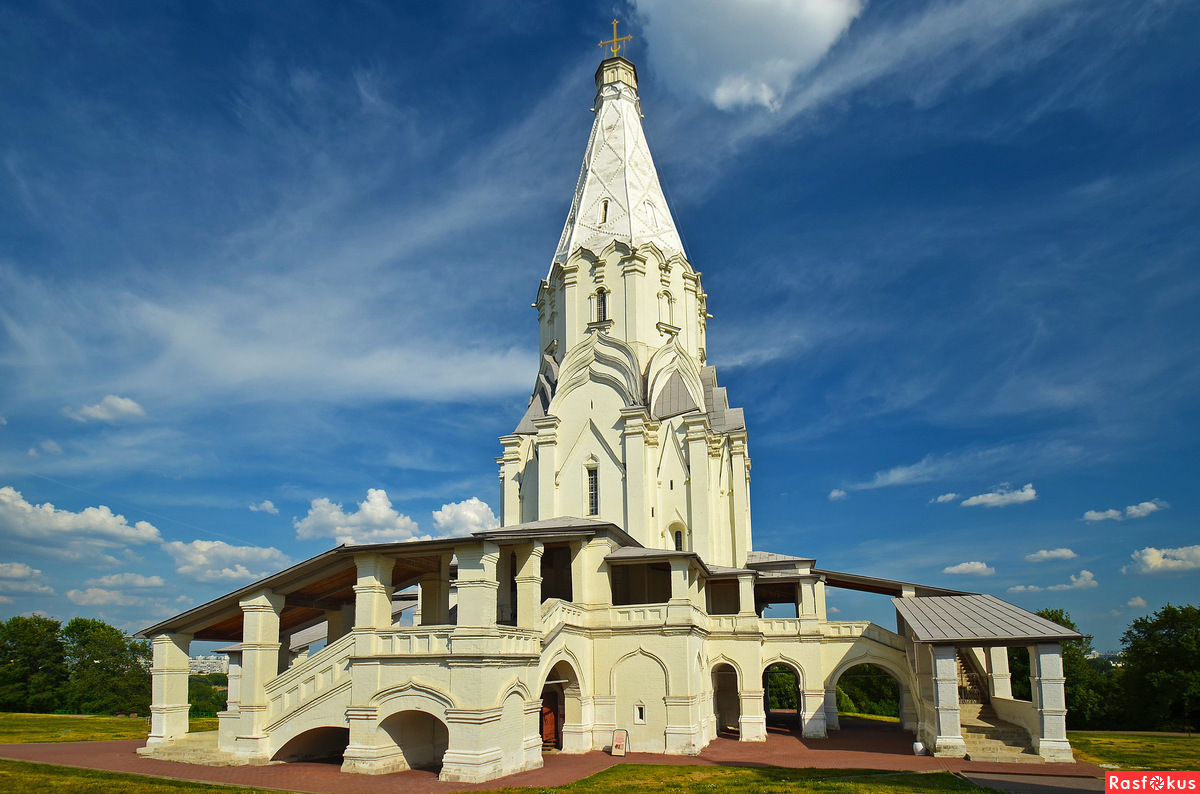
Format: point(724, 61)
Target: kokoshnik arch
point(622, 589)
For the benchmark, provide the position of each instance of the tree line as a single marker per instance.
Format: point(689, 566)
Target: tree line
point(85, 667)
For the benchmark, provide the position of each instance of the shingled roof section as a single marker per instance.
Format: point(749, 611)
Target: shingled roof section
point(976, 620)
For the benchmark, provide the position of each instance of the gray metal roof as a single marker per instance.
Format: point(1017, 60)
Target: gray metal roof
point(769, 557)
point(875, 584)
point(976, 620)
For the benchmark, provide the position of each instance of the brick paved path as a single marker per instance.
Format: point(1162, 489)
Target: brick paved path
point(856, 746)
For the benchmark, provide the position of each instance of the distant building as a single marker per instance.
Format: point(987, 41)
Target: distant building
point(622, 590)
point(200, 665)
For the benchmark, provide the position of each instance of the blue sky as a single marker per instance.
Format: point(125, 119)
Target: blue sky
point(265, 275)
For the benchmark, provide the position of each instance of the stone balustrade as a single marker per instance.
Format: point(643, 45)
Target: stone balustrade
point(308, 679)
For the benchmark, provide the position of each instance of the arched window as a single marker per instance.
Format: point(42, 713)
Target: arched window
point(678, 540)
point(601, 305)
point(604, 211)
point(651, 215)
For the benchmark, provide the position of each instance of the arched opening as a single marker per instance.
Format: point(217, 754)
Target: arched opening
point(323, 745)
point(781, 697)
point(727, 701)
point(868, 697)
point(678, 540)
point(421, 737)
point(562, 710)
point(604, 211)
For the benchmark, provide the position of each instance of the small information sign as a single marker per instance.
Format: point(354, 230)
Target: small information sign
point(620, 738)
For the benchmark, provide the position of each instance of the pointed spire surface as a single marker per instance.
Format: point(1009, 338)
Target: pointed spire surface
point(618, 195)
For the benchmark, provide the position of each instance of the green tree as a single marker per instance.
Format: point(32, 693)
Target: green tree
point(32, 667)
point(109, 672)
point(869, 690)
point(1161, 669)
point(1093, 699)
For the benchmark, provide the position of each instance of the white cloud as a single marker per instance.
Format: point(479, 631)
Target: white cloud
point(3, 421)
point(1025, 588)
point(1002, 496)
point(48, 446)
point(1152, 560)
point(71, 536)
point(110, 409)
point(941, 500)
point(1051, 554)
point(98, 597)
point(217, 561)
point(375, 521)
point(265, 506)
point(6, 600)
point(17, 570)
point(837, 495)
point(463, 518)
point(736, 53)
point(126, 580)
point(1136, 602)
point(1132, 511)
point(973, 568)
point(1083, 581)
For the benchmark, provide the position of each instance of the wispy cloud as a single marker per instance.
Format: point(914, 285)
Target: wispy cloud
point(837, 495)
point(943, 499)
point(1042, 555)
point(1137, 602)
point(217, 561)
point(1132, 511)
point(110, 409)
point(1083, 581)
point(265, 506)
point(973, 568)
point(1002, 496)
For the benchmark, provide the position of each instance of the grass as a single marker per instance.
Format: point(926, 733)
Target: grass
point(27, 728)
point(632, 778)
point(1135, 751)
point(650, 778)
point(26, 777)
point(871, 717)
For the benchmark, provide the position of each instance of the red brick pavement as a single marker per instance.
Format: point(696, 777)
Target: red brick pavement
point(856, 746)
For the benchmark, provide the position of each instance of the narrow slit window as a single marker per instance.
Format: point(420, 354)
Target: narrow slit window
point(601, 306)
point(678, 540)
point(639, 714)
point(604, 211)
point(593, 486)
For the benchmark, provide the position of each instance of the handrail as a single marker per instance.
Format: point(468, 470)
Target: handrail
point(331, 652)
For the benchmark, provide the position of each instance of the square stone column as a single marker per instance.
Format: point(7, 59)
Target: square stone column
point(831, 710)
point(637, 497)
point(948, 740)
point(510, 485)
point(260, 665)
point(999, 679)
point(372, 601)
point(752, 724)
point(477, 584)
point(529, 586)
point(1045, 663)
point(229, 720)
point(435, 594)
point(746, 595)
point(679, 608)
point(592, 584)
point(169, 686)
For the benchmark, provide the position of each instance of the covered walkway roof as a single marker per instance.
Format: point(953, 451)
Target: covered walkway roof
point(973, 619)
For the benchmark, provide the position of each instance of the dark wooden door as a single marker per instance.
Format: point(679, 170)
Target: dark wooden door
point(550, 718)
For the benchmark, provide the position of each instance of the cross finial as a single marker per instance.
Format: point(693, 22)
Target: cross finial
point(614, 43)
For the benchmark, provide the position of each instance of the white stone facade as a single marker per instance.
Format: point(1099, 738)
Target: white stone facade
point(622, 589)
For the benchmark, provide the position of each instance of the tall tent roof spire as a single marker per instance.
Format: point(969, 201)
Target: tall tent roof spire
point(618, 196)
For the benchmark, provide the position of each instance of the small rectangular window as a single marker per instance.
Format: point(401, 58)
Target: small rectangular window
point(639, 714)
point(593, 483)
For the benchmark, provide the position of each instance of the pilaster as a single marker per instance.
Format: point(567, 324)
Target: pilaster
point(547, 465)
point(699, 487)
point(510, 485)
point(637, 510)
point(999, 678)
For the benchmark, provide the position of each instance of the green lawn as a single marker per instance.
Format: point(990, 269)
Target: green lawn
point(26, 728)
point(639, 778)
point(1134, 751)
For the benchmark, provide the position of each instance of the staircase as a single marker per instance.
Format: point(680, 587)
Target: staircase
point(192, 748)
point(989, 738)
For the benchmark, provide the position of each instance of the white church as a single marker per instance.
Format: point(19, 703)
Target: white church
point(622, 591)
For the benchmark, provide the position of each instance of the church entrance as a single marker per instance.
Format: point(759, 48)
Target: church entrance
point(551, 720)
point(781, 697)
point(727, 701)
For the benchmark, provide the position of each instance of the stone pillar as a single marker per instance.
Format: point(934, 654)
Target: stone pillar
point(472, 755)
point(169, 686)
point(546, 440)
point(740, 486)
point(831, 710)
point(699, 488)
point(1045, 663)
point(372, 601)
point(633, 274)
point(510, 485)
point(572, 308)
point(435, 594)
point(637, 508)
point(999, 679)
point(595, 586)
point(228, 721)
point(260, 665)
point(812, 712)
point(529, 586)
point(948, 740)
point(746, 595)
point(679, 608)
point(477, 585)
point(752, 725)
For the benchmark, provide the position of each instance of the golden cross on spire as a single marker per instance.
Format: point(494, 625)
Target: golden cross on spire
point(614, 43)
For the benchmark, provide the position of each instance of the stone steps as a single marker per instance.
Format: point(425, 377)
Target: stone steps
point(989, 738)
